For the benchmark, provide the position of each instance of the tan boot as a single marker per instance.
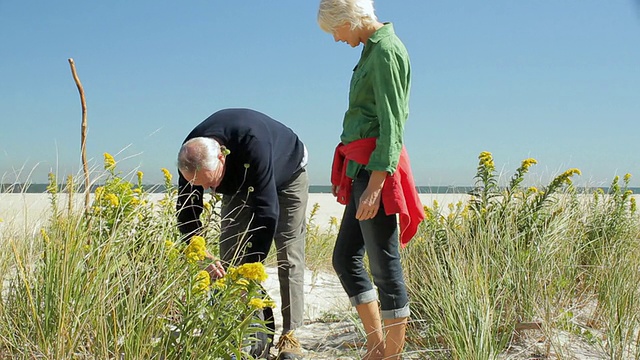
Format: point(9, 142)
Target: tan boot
point(370, 317)
point(394, 330)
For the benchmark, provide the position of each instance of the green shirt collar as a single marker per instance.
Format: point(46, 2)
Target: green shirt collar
point(383, 32)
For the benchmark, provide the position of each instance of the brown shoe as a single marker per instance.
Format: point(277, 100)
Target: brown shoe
point(288, 347)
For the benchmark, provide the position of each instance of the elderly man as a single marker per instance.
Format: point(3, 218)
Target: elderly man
point(258, 165)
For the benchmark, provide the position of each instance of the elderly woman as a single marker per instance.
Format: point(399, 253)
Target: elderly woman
point(371, 175)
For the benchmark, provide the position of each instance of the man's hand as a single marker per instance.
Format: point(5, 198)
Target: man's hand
point(334, 190)
point(215, 268)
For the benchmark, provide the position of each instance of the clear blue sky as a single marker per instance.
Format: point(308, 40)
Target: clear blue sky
point(558, 81)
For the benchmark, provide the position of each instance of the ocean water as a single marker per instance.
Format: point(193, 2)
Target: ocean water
point(313, 189)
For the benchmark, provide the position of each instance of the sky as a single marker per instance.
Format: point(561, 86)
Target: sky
point(557, 81)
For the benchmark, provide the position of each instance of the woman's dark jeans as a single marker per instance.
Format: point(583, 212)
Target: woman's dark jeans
point(379, 237)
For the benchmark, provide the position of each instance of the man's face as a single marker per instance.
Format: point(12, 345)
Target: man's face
point(205, 178)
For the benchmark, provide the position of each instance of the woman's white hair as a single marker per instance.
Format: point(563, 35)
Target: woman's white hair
point(335, 13)
point(199, 153)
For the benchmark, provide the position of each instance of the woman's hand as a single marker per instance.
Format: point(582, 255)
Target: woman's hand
point(369, 202)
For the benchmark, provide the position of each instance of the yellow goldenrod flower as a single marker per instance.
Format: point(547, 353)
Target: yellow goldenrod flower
point(99, 191)
point(52, 188)
point(109, 162)
point(627, 177)
point(219, 284)
point(526, 164)
point(45, 236)
point(253, 271)
point(140, 174)
point(202, 282)
point(243, 282)
point(486, 160)
point(167, 175)
point(196, 250)
point(113, 199)
point(257, 303)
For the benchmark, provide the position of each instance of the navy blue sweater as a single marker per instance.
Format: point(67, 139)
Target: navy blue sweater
point(264, 156)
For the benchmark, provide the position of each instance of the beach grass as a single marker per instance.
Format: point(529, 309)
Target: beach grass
point(515, 260)
point(485, 277)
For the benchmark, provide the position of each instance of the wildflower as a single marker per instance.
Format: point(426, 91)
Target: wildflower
point(333, 221)
point(113, 200)
point(219, 284)
point(140, 175)
point(52, 188)
point(627, 177)
point(45, 236)
point(109, 162)
point(257, 303)
point(202, 282)
point(196, 250)
point(569, 173)
point(435, 204)
point(253, 271)
point(532, 190)
point(207, 206)
point(526, 164)
point(633, 206)
point(450, 206)
point(171, 251)
point(486, 160)
point(250, 189)
point(98, 192)
point(225, 151)
point(167, 175)
point(246, 165)
point(242, 282)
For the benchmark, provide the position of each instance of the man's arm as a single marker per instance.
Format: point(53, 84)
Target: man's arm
point(189, 207)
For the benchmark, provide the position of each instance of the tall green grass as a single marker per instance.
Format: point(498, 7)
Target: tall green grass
point(115, 283)
point(477, 272)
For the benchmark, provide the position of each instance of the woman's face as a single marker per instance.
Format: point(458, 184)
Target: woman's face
point(347, 35)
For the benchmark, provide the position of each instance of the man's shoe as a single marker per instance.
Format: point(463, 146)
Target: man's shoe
point(288, 347)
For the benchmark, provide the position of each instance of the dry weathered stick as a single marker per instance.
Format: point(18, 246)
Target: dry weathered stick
point(83, 136)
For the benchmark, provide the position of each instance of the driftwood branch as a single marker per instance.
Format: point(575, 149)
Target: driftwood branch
point(83, 136)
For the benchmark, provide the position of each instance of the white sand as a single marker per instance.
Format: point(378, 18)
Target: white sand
point(29, 212)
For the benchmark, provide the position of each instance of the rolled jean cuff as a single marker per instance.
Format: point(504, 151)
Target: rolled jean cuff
point(396, 313)
point(364, 298)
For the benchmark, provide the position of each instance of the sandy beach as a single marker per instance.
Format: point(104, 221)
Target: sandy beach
point(29, 212)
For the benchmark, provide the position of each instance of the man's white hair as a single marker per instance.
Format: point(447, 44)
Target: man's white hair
point(199, 153)
point(335, 13)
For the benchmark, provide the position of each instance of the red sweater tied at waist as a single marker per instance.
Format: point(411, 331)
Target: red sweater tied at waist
point(399, 194)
